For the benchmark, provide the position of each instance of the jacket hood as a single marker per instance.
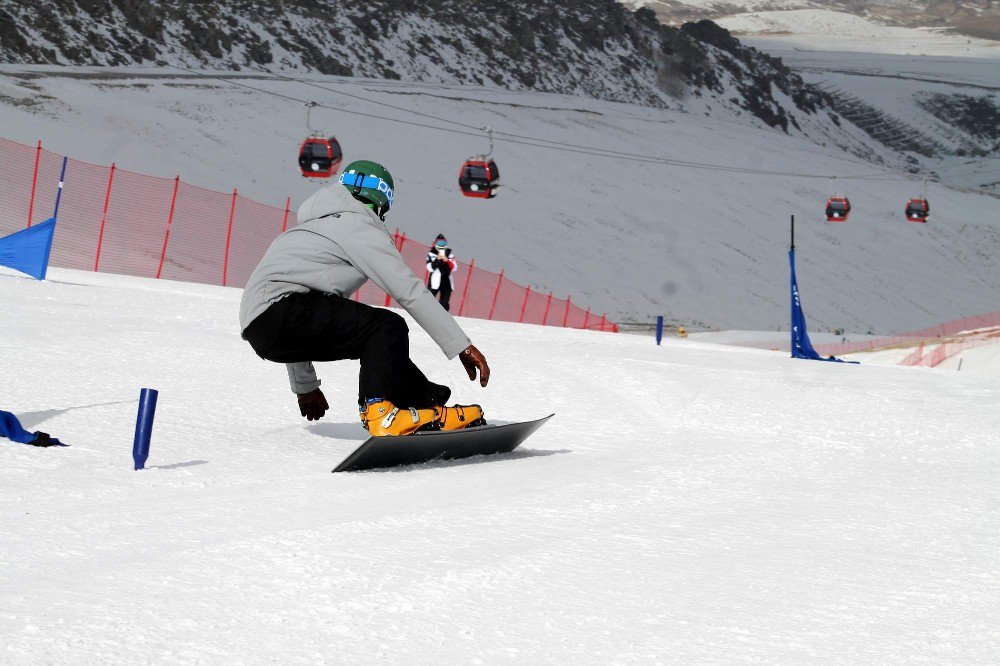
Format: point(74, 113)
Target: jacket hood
point(336, 199)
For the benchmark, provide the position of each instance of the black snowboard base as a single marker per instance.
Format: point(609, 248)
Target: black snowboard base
point(421, 447)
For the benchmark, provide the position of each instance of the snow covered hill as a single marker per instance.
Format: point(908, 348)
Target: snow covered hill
point(706, 247)
point(688, 503)
point(963, 19)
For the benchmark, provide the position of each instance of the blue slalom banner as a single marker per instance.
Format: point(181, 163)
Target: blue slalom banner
point(28, 250)
point(801, 345)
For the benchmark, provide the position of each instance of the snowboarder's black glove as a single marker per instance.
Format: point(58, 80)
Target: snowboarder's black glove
point(473, 360)
point(313, 405)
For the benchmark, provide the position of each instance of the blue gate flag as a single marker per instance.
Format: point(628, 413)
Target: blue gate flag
point(28, 250)
point(801, 346)
point(11, 428)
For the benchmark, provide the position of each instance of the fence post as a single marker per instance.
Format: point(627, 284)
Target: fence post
point(170, 220)
point(604, 317)
point(495, 294)
point(229, 234)
point(284, 223)
point(104, 217)
point(34, 181)
point(524, 304)
point(62, 179)
point(586, 319)
point(465, 290)
point(566, 316)
point(402, 242)
point(548, 302)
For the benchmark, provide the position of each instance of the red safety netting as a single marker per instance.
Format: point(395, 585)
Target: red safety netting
point(116, 221)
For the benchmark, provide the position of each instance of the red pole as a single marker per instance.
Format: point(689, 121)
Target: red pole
point(34, 181)
point(402, 242)
point(104, 217)
point(603, 320)
point(496, 293)
point(566, 316)
point(229, 234)
point(524, 304)
point(284, 223)
point(465, 290)
point(586, 319)
point(170, 220)
point(548, 302)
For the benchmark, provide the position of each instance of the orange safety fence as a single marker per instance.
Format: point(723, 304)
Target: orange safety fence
point(116, 221)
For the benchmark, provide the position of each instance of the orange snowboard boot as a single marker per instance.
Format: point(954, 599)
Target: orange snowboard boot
point(459, 416)
point(381, 418)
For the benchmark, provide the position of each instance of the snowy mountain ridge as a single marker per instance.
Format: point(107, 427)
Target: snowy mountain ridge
point(592, 47)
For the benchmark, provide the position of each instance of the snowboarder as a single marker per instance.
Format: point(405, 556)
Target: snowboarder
point(440, 268)
point(296, 309)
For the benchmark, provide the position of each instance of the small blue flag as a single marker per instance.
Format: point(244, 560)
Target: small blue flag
point(28, 250)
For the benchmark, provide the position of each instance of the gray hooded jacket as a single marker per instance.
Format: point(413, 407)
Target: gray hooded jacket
point(338, 245)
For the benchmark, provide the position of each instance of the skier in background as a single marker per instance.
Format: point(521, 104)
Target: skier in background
point(296, 309)
point(440, 268)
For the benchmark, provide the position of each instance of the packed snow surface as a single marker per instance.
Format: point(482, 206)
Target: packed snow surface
point(690, 502)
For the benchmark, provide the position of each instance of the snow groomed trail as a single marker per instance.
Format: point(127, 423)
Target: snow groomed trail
point(688, 502)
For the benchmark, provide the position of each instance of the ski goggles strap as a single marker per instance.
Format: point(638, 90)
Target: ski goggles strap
point(359, 181)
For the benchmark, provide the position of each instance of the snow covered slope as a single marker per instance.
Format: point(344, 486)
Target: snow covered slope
point(755, 508)
point(707, 247)
point(822, 29)
point(947, 24)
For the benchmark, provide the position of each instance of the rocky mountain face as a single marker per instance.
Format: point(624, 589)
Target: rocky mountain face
point(596, 48)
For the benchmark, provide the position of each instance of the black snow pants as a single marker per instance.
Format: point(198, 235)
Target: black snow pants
point(325, 327)
point(444, 291)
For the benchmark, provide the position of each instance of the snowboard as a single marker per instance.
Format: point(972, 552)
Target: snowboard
point(378, 452)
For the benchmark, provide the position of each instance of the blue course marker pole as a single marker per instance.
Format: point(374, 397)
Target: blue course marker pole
point(659, 329)
point(62, 179)
point(144, 427)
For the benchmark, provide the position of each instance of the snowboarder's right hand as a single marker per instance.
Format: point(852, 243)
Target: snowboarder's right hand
point(313, 405)
point(473, 360)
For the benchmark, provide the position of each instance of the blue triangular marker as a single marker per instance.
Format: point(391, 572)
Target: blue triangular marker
point(801, 345)
point(28, 250)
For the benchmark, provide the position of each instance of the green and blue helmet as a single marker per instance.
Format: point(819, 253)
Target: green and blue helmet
point(370, 183)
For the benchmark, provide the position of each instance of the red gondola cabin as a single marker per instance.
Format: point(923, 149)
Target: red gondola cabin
point(837, 209)
point(319, 157)
point(917, 210)
point(479, 178)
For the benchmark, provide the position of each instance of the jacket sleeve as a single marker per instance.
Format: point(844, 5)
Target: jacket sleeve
point(374, 254)
point(302, 377)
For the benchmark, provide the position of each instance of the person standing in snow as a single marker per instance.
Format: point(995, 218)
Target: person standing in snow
point(296, 309)
point(440, 268)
